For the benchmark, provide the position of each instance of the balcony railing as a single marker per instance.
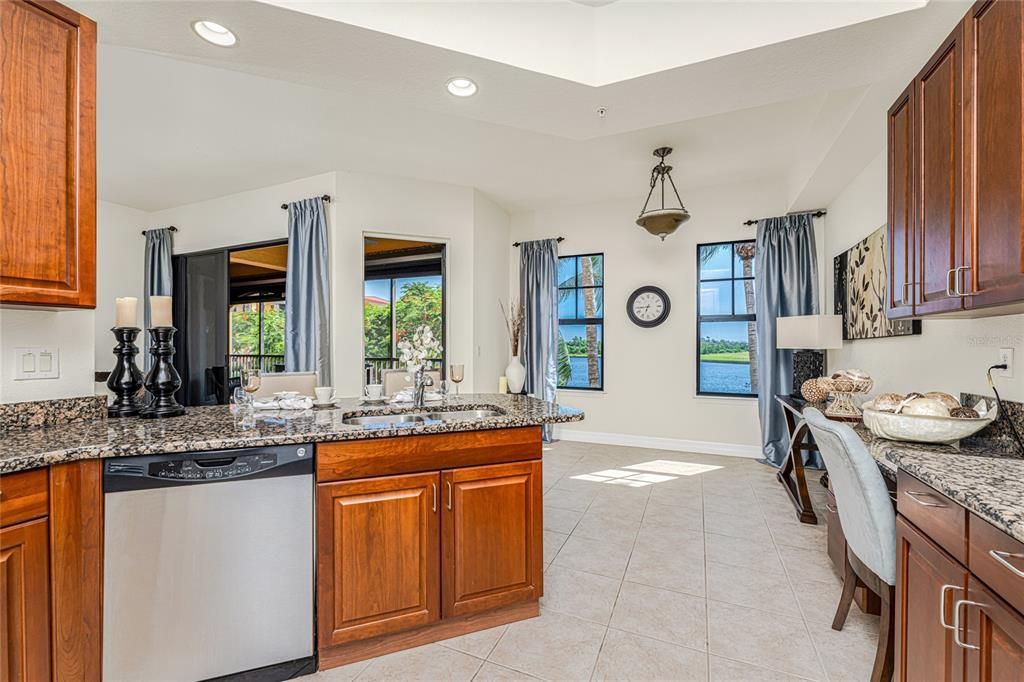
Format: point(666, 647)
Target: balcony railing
point(264, 363)
point(378, 365)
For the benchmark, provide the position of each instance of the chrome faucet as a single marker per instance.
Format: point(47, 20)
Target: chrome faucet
point(422, 381)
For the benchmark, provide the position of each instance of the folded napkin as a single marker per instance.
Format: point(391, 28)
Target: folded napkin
point(405, 396)
point(300, 403)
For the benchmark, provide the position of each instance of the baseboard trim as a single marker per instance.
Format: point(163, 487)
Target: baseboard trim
point(656, 443)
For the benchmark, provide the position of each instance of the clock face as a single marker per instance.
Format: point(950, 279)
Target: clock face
point(648, 306)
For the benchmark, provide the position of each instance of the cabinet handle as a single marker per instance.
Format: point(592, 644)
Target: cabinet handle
point(956, 280)
point(914, 496)
point(956, 622)
point(449, 495)
point(942, 605)
point(1001, 558)
point(949, 283)
point(831, 509)
point(903, 294)
point(434, 508)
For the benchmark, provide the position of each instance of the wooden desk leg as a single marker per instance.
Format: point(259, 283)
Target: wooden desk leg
point(796, 486)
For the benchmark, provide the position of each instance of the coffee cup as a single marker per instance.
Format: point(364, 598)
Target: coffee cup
point(324, 394)
point(374, 391)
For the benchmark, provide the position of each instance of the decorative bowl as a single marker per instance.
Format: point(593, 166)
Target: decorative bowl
point(923, 429)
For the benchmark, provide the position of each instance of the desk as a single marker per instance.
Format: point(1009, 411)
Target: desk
point(791, 475)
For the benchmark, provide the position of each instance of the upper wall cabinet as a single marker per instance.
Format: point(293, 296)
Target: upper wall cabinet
point(955, 192)
point(47, 155)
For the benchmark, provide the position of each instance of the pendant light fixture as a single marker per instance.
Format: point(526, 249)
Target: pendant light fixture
point(661, 222)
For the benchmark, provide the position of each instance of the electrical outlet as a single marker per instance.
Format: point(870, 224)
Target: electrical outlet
point(40, 362)
point(1005, 358)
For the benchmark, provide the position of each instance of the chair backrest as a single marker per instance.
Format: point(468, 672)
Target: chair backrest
point(865, 510)
point(395, 380)
point(271, 383)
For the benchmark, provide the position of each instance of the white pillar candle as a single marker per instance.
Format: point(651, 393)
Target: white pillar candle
point(502, 385)
point(160, 311)
point(125, 311)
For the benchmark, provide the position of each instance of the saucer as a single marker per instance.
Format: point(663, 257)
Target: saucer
point(327, 403)
point(374, 401)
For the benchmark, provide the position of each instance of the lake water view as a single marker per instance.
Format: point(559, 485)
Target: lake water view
point(725, 377)
point(579, 373)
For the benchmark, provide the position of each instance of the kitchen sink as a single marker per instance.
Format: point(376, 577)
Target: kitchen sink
point(413, 418)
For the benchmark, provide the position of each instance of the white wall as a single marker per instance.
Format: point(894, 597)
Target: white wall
point(650, 374)
point(951, 354)
point(367, 204)
point(491, 247)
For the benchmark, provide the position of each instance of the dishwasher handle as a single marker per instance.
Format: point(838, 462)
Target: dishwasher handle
point(145, 472)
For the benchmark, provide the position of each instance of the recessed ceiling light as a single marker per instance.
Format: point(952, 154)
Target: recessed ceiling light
point(212, 32)
point(462, 87)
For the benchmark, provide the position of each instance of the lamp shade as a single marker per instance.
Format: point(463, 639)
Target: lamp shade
point(809, 332)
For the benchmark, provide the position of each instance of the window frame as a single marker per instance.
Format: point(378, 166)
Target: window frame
point(721, 318)
point(577, 321)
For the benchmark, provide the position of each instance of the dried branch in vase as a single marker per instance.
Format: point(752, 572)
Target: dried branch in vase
point(513, 323)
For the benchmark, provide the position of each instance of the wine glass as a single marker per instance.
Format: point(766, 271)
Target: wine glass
point(457, 373)
point(251, 380)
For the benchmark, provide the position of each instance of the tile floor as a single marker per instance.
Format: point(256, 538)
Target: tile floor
point(662, 566)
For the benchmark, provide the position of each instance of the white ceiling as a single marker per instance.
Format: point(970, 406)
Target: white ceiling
point(182, 121)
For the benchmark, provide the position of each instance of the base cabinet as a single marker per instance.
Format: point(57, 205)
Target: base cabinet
point(994, 637)
point(25, 602)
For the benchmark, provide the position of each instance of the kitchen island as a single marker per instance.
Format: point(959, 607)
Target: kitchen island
point(426, 528)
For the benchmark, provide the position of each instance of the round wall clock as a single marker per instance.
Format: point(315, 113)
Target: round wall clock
point(648, 306)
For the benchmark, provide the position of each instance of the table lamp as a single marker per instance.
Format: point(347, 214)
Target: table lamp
point(809, 335)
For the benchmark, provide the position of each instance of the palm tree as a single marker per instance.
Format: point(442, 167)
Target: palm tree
point(745, 251)
point(589, 265)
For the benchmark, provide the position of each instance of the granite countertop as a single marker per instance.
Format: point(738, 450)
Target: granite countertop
point(986, 478)
point(224, 427)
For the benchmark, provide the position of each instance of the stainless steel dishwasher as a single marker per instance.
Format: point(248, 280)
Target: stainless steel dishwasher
point(208, 565)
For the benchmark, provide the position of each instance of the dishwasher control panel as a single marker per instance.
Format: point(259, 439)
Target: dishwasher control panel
point(213, 469)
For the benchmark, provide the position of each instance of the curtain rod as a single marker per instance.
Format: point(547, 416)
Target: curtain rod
point(557, 239)
point(172, 228)
point(814, 214)
point(326, 198)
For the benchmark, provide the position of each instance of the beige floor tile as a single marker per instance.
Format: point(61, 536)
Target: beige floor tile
point(561, 520)
point(661, 614)
point(553, 646)
point(490, 672)
point(667, 569)
point(688, 497)
point(724, 549)
point(762, 638)
point(605, 526)
point(807, 564)
point(848, 655)
point(738, 527)
point(430, 663)
point(343, 673)
point(571, 498)
point(594, 556)
point(626, 656)
point(818, 601)
point(623, 506)
point(749, 586)
point(552, 543)
point(661, 516)
point(724, 670)
point(478, 643)
point(730, 506)
point(584, 595)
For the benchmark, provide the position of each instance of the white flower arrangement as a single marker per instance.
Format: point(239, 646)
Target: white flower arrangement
point(423, 346)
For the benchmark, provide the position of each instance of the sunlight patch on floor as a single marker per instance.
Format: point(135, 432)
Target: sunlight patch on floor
point(669, 466)
point(656, 471)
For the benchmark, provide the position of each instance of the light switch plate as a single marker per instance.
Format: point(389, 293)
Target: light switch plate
point(38, 362)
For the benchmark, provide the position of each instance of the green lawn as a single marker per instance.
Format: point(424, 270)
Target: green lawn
point(742, 357)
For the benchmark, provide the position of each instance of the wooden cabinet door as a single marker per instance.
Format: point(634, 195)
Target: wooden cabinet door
point(47, 155)
point(25, 602)
point(938, 160)
point(492, 538)
point(994, 637)
point(378, 556)
point(993, 38)
point(900, 186)
point(928, 583)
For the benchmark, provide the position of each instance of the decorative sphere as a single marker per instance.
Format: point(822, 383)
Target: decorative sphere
point(814, 391)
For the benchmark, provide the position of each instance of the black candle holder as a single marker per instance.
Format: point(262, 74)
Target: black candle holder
point(125, 379)
point(163, 380)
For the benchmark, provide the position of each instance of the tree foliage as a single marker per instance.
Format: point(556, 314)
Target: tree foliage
point(245, 329)
point(419, 302)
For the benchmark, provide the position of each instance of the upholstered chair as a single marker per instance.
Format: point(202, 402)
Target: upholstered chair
point(869, 524)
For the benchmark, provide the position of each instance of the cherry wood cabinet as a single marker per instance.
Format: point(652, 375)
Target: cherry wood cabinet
point(379, 556)
point(928, 584)
point(960, 248)
point(25, 602)
point(47, 155)
point(994, 637)
point(492, 537)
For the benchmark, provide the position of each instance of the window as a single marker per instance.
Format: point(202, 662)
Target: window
point(256, 336)
point(394, 307)
point(726, 328)
point(581, 322)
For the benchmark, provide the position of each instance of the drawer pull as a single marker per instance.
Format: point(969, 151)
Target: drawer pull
point(942, 605)
point(956, 283)
point(1001, 558)
point(831, 509)
point(949, 283)
point(956, 622)
point(914, 496)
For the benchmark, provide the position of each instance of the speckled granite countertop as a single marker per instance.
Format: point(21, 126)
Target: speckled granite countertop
point(986, 479)
point(223, 427)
